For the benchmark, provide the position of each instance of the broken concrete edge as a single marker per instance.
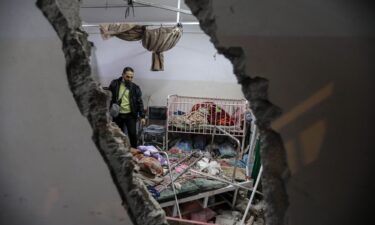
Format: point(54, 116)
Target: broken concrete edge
point(93, 103)
point(273, 155)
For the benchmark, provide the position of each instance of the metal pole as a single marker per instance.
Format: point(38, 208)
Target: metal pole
point(234, 198)
point(144, 23)
point(163, 7)
point(178, 12)
point(167, 125)
point(173, 188)
point(252, 195)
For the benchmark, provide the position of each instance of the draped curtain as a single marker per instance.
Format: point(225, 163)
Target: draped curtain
point(127, 32)
point(156, 40)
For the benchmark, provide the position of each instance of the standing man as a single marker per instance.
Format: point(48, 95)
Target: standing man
point(129, 96)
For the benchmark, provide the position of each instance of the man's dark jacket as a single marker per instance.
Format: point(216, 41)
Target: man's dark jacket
point(135, 96)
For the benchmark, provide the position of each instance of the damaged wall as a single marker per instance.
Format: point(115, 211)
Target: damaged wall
point(318, 58)
point(317, 55)
point(50, 169)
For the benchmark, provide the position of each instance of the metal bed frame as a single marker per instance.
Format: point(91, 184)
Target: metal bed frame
point(225, 117)
point(229, 111)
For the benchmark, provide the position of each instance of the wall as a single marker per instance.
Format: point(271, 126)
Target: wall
point(50, 170)
point(318, 57)
point(192, 67)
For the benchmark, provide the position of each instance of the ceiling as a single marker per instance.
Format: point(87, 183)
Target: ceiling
point(113, 11)
point(263, 18)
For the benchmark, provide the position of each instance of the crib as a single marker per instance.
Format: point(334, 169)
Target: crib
point(207, 116)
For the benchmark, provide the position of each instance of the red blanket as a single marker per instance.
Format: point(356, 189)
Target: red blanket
point(215, 114)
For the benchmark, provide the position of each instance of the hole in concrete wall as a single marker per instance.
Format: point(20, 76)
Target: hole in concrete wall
point(93, 103)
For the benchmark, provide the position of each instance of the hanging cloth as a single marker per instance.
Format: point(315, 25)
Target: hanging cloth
point(127, 32)
point(158, 41)
point(155, 40)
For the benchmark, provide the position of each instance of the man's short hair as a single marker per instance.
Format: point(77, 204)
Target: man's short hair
point(127, 69)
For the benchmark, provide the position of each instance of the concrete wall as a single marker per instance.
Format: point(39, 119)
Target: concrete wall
point(318, 56)
point(50, 170)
